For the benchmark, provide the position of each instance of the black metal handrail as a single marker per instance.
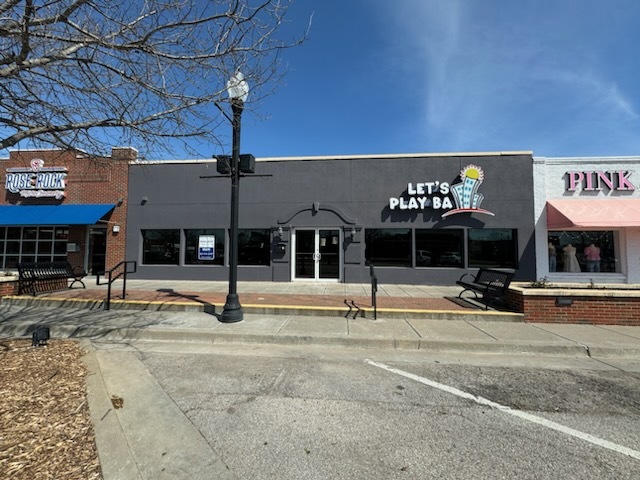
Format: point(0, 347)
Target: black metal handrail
point(374, 290)
point(113, 274)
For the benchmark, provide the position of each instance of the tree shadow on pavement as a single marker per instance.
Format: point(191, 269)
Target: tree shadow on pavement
point(208, 306)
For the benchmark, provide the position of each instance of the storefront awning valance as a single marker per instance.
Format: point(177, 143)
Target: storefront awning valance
point(601, 213)
point(53, 214)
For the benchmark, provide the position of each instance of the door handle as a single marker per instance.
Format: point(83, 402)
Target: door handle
point(317, 256)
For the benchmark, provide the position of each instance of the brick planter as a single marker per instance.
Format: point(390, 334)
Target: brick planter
point(570, 304)
point(8, 286)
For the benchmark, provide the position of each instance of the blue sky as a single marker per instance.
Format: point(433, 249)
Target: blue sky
point(558, 77)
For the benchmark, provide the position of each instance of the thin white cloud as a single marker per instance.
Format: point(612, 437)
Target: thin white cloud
point(623, 104)
point(593, 92)
point(491, 72)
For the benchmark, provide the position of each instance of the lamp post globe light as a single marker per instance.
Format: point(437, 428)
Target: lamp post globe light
point(238, 91)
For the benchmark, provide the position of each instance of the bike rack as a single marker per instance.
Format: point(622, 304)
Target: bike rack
point(113, 274)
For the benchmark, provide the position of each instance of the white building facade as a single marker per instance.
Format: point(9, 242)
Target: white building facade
point(587, 219)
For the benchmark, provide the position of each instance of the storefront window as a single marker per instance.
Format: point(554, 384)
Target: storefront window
point(161, 247)
point(493, 247)
point(30, 233)
point(45, 233)
point(13, 247)
point(44, 248)
point(28, 244)
point(11, 261)
point(62, 233)
point(388, 247)
point(439, 248)
point(193, 241)
point(60, 248)
point(14, 233)
point(254, 246)
point(582, 251)
point(28, 248)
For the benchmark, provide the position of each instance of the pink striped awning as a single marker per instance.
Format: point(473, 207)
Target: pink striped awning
point(593, 213)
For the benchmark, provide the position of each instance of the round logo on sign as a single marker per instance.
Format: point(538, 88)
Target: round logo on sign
point(37, 164)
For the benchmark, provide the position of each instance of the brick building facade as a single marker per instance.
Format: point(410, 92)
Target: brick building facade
point(64, 205)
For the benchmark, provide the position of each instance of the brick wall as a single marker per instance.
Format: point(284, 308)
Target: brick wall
point(591, 309)
point(8, 288)
point(90, 180)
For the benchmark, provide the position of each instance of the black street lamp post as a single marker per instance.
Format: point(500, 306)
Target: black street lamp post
point(238, 90)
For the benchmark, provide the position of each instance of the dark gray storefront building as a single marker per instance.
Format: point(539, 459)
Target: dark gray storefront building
point(420, 219)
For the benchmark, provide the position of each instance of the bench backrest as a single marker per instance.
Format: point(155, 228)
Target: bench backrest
point(44, 269)
point(494, 278)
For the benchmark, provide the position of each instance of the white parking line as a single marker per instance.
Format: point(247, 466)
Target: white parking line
point(516, 413)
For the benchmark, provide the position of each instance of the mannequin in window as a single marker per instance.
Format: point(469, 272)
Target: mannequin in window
point(553, 261)
point(570, 260)
point(592, 255)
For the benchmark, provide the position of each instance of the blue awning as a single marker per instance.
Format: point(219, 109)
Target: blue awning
point(53, 214)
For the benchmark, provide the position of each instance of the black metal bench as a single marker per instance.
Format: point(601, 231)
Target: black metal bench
point(491, 284)
point(32, 274)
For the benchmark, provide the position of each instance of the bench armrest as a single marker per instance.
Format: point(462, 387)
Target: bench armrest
point(78, 271)
point(461, 279)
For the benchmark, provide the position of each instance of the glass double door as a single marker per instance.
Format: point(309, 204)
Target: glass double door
point(316, 254)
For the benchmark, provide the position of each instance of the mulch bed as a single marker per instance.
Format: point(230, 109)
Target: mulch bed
point(45, 426)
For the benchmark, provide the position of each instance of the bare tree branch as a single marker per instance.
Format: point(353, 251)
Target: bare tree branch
point(86, 73)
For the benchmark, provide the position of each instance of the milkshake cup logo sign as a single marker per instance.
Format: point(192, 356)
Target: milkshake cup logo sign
point(465, 194)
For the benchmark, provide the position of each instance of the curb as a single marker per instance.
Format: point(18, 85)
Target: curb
point(147, 436)
point(116, 460)
point(207, 337)
point(304, 310)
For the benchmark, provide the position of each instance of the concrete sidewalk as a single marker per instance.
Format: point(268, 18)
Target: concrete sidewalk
point(148, 437)
point(471, 333)
point(409, 317)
